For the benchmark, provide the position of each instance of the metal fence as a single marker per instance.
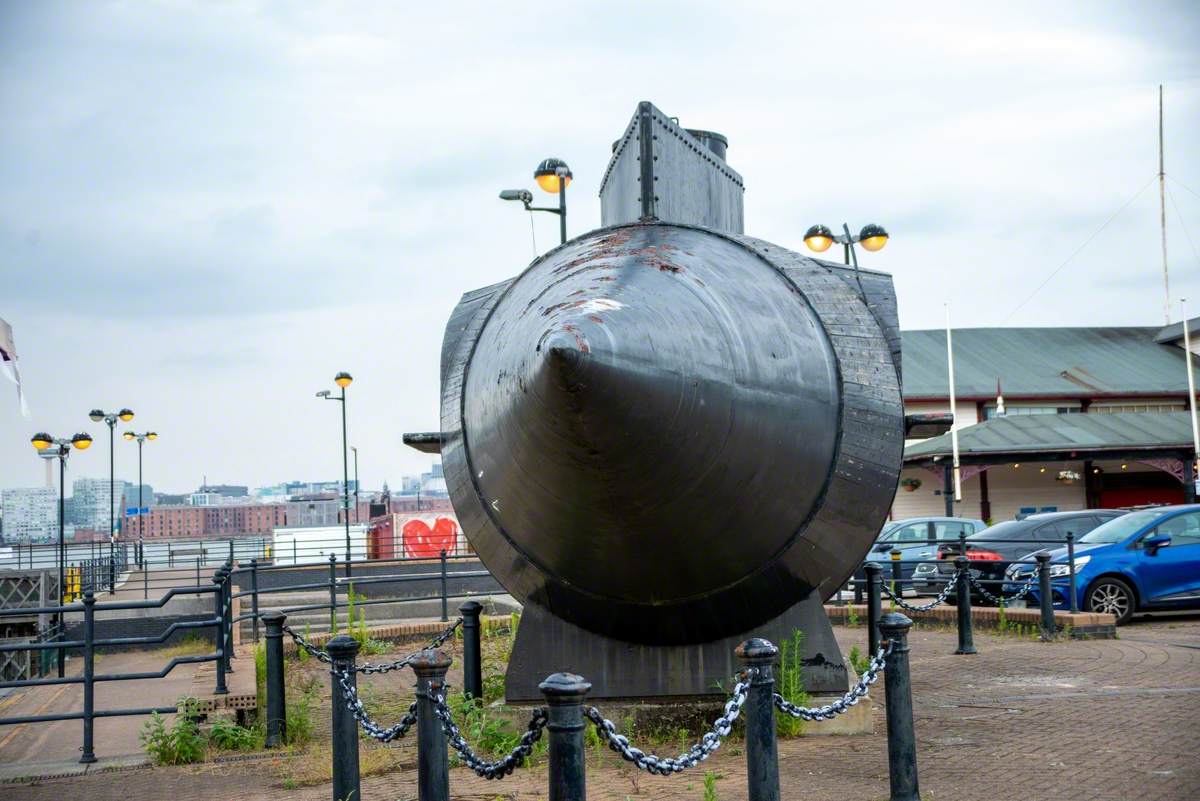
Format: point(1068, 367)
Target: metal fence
point(88, 646)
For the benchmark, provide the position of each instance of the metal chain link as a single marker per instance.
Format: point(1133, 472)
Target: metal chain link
point(938, 601)
point(367, 667)
point(501, 767)
point(830, 711)
point(372, 729)
point(1001, 600)
point(665, 766)
point(436, 642)
point(309, 647)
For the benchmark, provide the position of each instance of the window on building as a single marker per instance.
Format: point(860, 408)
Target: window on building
point(1118, 408)
point(989, 411)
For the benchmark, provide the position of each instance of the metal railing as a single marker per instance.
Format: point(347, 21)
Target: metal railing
point(339, 587)
point(88, 645)
point(1064, 585)
point(156, 565)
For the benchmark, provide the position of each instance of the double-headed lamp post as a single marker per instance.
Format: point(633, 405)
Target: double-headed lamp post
point(58, 448)
point(111, 418)
point(872, 237)
point(343, 380)
point(141, 439)
point(553, 176)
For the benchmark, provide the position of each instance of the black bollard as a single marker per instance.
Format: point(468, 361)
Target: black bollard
point(902, 740)
point(966, 637)
point(565, 693)
point(874, 607)
point(89, 671)
point(1074, 602)
point(433, 766)
point(1046, 599)
point(472, 655)
point(344, 735)
point(762, 758)
point(276, 701)
point(897, 575)
point(219, 633)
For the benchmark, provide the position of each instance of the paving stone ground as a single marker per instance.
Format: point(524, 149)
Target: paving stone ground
point(1071, 721)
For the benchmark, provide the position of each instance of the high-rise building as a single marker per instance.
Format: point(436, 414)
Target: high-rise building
point(30, 514)
point(94, 507)
point(131, 496)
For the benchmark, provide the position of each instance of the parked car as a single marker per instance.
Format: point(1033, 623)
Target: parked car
point(1145, 560)
point(916, 539)
point(992, 550)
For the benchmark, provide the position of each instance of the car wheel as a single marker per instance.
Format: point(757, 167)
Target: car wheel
point(1113, 596)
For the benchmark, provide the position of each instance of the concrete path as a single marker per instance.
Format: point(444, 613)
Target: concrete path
point(60, 741)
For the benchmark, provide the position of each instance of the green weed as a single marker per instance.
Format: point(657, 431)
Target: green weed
point(790, 682)
point(180, 744)
point(710, 785)
point(858, 661)
point(228, 736)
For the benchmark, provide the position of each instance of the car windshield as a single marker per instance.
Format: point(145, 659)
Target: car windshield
point(1121, 527)
point(1008, 530)
point(888, 532)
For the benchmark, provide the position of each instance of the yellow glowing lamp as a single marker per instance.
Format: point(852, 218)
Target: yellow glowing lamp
point(818, 238)
point(873, 237)
point(41, 441)
point(152, 435)
point(128, 435)
point(548, 175)
point(343, 380)
point(82, 441)
point(125, 414)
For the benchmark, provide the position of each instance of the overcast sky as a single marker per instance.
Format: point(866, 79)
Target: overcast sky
point(208, 209)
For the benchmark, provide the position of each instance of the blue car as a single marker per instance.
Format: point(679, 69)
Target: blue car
point(1142, 561)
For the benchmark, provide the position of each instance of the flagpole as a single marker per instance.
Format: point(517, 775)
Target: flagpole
point(1162, 211)
point(953, 409)
point(1187, 356)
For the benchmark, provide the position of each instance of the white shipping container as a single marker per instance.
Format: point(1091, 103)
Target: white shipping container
point(312, 544)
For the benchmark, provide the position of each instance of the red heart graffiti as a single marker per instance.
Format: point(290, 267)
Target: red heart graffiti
point(421, 542)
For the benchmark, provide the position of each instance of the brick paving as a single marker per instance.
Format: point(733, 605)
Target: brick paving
point(1102, 720)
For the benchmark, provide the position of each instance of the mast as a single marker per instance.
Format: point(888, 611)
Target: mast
point(1162, 210)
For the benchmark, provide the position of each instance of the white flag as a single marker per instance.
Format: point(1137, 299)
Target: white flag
point(8, 363)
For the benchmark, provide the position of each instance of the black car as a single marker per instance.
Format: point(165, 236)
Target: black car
point(992, 550)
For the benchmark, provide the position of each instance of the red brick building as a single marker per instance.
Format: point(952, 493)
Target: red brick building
point(201, 522)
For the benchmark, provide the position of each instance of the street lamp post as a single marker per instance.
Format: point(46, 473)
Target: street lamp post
point(872, 237)
point(355, 449)
point(553, 176)
point(141, 439)
point(58, 448)
point(111, 418)
point(343, 380)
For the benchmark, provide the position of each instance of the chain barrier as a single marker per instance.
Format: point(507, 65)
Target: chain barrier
point(370, 727)
point(665, 766)
point(855, 694)
point(938, 601)
point(367, 667)
point(501, 767)
point(1001, 600)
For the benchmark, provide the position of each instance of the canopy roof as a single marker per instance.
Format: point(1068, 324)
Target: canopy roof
point(1044, 362)
point(1062, 436)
